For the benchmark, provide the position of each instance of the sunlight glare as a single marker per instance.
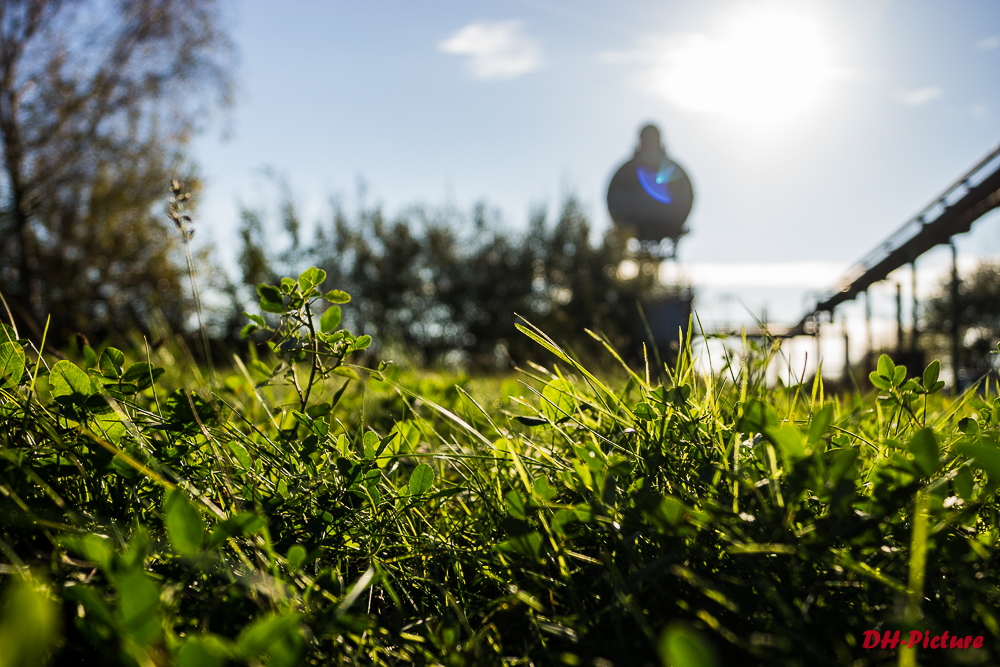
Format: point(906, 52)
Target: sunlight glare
point(759, 64)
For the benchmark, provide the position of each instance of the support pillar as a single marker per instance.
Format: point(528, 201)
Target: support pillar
point(819, 358)
point(847, 350)
point(915, 328)
point(956, 310)
point(899, 318)
point(868, 325)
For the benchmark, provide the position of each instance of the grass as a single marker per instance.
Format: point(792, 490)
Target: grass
point(306, 510)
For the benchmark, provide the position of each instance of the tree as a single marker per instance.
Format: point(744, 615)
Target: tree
point(97, 102)
point(438, 282)
point(978, 318)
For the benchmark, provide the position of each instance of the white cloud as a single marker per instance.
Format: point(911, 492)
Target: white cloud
point(496, 49)
point(920, 96)
point(989, 43)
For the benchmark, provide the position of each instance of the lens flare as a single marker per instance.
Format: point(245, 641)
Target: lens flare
point(657, 183)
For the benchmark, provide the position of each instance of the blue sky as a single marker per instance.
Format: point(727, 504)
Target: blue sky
point(811, 130)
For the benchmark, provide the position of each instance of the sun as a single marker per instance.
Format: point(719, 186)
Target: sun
point(758, 63)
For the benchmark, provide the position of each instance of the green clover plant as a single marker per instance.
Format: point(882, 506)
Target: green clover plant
point(298, 337)
point(891, 380)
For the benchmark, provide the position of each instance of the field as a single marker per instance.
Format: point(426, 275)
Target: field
point(300, 508)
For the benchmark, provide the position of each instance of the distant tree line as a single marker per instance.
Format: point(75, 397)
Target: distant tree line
point(449, 286)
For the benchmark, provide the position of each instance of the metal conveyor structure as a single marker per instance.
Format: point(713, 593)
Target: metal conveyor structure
point(953, 212)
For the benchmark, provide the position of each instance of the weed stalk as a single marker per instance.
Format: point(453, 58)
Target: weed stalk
point(177, 213)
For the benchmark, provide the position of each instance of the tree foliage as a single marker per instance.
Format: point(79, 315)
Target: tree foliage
point(978, 317)
point(97, 101)
point(444, 284)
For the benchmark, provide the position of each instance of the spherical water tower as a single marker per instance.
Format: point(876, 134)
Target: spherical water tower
point(650, 196)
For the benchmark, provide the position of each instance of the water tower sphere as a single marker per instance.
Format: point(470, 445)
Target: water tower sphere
point(650, 196)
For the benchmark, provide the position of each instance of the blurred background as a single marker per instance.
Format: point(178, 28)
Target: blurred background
point(448, 164)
